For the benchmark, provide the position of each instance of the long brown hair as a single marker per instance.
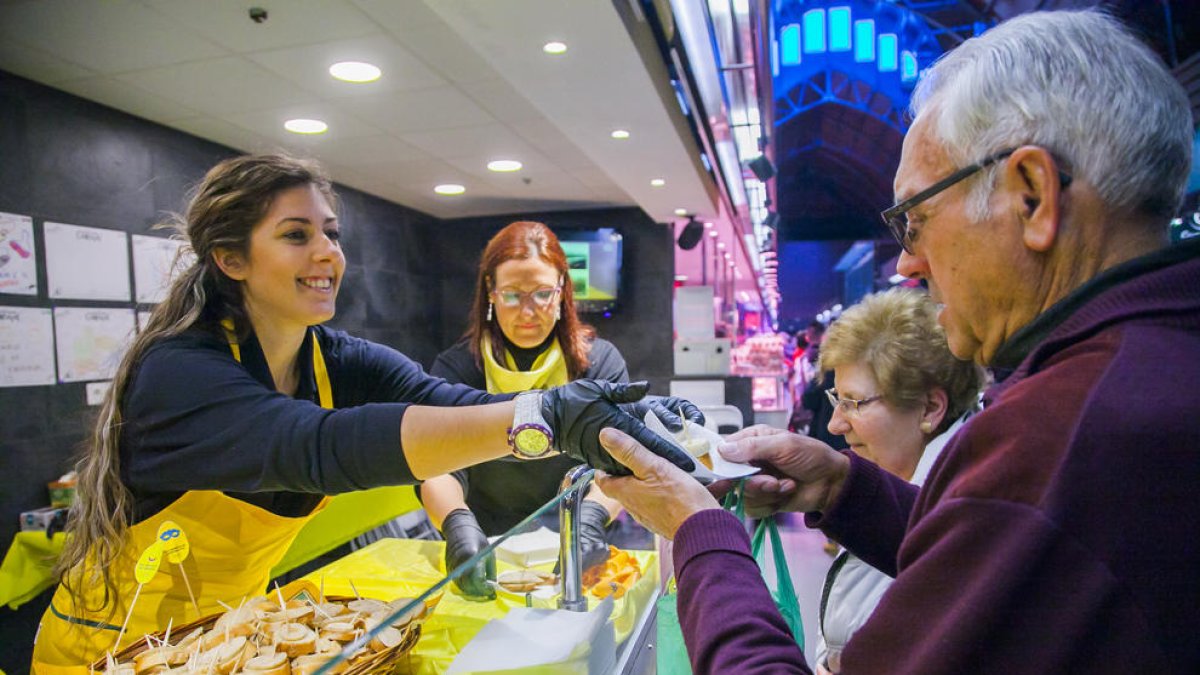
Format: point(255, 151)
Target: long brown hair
point(522, 240)
point(224, 208)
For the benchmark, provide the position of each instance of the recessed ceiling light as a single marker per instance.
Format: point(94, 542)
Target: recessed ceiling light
point(620, 134)
point(504, 165)
point(712, 233)
point(555, 48)
point(304, 126)
point(681, 212)
point(355, 71)
point(720, 244)
point(708, 225)
point(658, 182)
point(449, 189)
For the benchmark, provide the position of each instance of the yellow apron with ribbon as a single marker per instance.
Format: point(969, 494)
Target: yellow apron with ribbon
point(234, 545)
point(549, 370)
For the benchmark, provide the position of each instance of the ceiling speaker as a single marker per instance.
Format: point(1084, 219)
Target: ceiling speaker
point(762, 167)
point(691, 234)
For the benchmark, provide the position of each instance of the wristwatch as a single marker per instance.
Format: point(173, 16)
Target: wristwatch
point(530, 437)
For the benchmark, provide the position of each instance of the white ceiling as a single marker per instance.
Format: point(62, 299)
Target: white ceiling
point(464, 82)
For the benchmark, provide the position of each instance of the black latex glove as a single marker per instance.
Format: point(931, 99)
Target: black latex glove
point(576, 412)
point(670, 409)
point(464, 538)
point(593, 534)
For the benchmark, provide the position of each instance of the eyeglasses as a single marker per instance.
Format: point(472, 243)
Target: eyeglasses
point(849, 406)
point(540, 298)
point(896, 218)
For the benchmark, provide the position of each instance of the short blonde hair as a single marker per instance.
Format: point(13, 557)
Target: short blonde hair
point(896, 334)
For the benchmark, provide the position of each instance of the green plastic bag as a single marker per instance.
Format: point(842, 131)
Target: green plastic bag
point(672, 657)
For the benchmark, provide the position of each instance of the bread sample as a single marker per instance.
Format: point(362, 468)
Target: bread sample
point(524, 580)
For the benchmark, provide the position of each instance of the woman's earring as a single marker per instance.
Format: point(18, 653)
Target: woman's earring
point(489, 310)
point(558, 312)
point(926, 427)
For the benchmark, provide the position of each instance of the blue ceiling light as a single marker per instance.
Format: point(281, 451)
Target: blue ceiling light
point(814, 31)
point(888, 57)
point(864, 41)
point(789, 39)
point(908, 66)
point(839, 29)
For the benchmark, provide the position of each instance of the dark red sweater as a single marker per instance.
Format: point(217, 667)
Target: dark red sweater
point(1059, 531)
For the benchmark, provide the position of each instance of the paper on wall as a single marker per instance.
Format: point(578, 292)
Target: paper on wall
point(18, 255)
point(26, 347)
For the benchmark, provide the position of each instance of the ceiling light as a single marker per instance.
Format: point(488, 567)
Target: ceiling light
point(620, 134)
point(449, 189)
point(712, 233)
point(355, 71)
point(303, 126)
point(555, 48)
point(708, 225)
point(720, 244)
point(681, 212)
point(658, 182)
point(504, 165)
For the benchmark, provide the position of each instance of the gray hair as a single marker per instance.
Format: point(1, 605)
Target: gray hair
point(1077, 83)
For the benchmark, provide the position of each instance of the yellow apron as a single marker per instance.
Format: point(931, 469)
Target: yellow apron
point(234, 545)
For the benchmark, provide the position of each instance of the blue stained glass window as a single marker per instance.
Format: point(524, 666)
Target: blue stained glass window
point(790, 47)
point(908, 66)
point(814, 31)
point(864, 40)
point(839, 29)
point(888, 46)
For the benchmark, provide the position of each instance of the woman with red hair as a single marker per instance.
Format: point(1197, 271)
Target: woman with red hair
point(523, 334)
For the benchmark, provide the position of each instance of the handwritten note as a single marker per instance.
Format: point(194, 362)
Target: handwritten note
point(26, 347)
point(86, 263)
point(18, 257)
point(91, 341)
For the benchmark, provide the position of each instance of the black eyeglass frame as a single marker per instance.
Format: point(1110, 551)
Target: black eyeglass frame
point(896, 217)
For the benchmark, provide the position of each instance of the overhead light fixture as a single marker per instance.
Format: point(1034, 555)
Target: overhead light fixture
point(708, 224)
point(720, 245)
point(681, 212)
point(555, 48)
point(657, 182)
point(355, 71)
point(620, 134)
point(504, 165)
point(449, 189)
point(305, 126)
point(712, 233)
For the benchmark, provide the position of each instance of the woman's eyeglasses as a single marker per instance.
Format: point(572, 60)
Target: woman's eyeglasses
point(849, 406)
point(540, 298)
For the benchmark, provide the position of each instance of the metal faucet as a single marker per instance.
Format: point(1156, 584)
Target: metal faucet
point(570, 555)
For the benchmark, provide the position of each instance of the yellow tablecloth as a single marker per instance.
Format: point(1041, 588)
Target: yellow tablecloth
point(29, 564)
point(392, 568)
point(28, 567)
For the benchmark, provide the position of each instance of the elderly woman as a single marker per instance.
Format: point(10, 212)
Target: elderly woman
point(899, 396)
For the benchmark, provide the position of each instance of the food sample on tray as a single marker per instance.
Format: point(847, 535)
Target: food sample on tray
point(703, 444)
point(264, 638)
point(525, 580)
point(614, 577)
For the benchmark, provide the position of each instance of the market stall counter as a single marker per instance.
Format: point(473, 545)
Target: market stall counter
point(392, 568)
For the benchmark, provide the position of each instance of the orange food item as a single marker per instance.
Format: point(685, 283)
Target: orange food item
point(615, 577)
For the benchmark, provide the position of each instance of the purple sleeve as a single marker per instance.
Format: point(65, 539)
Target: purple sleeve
point(870, 515)
point(729, 620)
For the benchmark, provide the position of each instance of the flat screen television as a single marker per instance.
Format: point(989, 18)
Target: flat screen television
point(594, 260)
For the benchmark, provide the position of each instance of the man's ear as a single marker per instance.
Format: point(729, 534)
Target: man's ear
point(1032, 174)
point(231, 263)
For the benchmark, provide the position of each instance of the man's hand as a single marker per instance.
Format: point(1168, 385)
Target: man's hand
point(799, 473)
point(658, 494)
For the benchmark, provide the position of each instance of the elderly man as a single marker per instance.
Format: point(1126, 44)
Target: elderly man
point(1058, 531)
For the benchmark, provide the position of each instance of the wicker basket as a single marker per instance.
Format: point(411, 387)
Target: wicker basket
point(375, 663)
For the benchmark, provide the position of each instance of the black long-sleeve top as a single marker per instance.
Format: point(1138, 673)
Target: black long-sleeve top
point(197, 419)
